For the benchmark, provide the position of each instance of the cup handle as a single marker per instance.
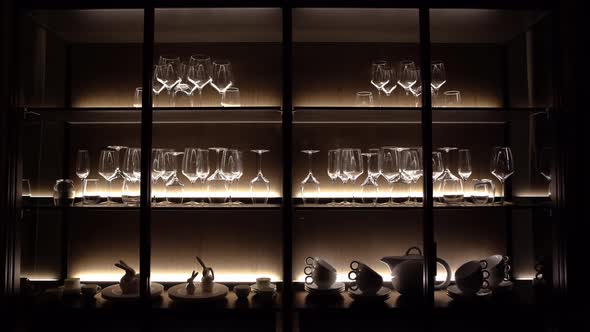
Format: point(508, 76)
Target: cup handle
point(355, 275)
point(358, 265)
point(485, 274)
point(485, 284)
point(353, 286)
point(483, 263)
point(413, 248)
point(309, 260)
point(310, 282)
point(98, 288)
point(306, 272)
point(447, 281)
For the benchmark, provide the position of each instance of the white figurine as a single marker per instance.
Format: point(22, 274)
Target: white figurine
point(190, 287)
point(207, 277)
point(130, 281)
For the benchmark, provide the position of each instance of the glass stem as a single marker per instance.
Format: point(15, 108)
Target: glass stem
point(502, 197)
point(259, 163)
point(109, 193)
point(334, 186)
point(391, 192)
point(200, 97)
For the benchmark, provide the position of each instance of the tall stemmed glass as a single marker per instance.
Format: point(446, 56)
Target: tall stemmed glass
point(158, 163)
point(544, 164)
point(352, 166)
point(412, 167)
point(202, 170)
point(157, 85)
point(131, 171)
point(388, 162)
point(464, 168)
point(108, 167)
point(182, 91)
point(82, 165)
point(391, 77)
point(406, 75)
point(438, 78)
point(231, 168)
point(369, 187)
point(216, 182)
point(199, 73)
point(334, 169)
point(450, 186)
point(502, 165)
point(416, 89)
point(310, 186)
point(174, 187)
point(222, 77)
point(437, 169)
point(259, 185)
point(379, 76)
point(190, 170)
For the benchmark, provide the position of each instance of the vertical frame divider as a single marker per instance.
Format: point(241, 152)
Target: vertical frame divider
point(426, 126)
point(146, 155)
point(287, 137)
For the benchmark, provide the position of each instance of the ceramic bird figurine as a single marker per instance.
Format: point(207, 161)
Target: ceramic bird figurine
point(207, 277)
point(190, 287)
point(130, 281)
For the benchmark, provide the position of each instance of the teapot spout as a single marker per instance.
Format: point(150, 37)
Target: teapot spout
point(391, 261)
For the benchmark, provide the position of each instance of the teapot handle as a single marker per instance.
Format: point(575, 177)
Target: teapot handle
point(413, 248)
point(447, 281)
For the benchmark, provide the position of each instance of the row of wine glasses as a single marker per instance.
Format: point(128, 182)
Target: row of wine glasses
point(166, 166)
point(402, 164)
point(183, 81)
point(385, 78)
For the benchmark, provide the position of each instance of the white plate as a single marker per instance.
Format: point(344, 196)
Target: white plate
point(256, 290)
point(178, 293)
point(114, 293)
point(454, 292)
point(337, 287)
point(382, 294)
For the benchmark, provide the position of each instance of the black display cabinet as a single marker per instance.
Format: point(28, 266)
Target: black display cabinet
point(299, 67)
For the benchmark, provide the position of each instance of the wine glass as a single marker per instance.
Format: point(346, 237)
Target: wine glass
point(131, 168)
point(437, 169)
point(202, 170)
point(364, 99)
point(412, 167)
point(174, 187)
point(216, 182)
point(416, 88)
point(259, 185)
point(222, 77)
point(108, 167)
point(352, 166)
point(450, 186)
point(390, 76)
point(545, 163)
point(406, 75)
point(158, 163)
point(82, 164)
point(117, 149)
point(379, 75)
point(369, 187)
point(231, 97)
point(464, 169)
point(137, 98)
point(199, 73)
point(90, 192)
point(438, 78)
point(168, 59)
point(310, 186)
point(334, 169)
point(502, 165)
point(157, 85)
point(231, 168)
point(388, 162)
point(190, 170)
point(182, 95)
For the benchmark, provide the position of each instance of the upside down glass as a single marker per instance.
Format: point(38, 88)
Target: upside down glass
point(259, 185)
point(216, 182)
point(310, 186)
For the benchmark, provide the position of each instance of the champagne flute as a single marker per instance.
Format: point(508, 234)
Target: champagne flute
point(108, 167)
point(464, 168)
point(334, 169)
point(502, 166)
point(82, 164)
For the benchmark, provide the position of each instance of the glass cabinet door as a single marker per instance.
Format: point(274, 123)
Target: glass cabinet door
point(492, 131)
point(80, 159)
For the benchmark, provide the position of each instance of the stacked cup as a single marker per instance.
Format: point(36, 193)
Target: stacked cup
point(472, 277)
point(319, 272)
point(364, 278)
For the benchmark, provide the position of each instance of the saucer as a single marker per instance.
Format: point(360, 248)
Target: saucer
point(455, 293)
point(68, 292)
point(178, 293)
point(381, 295)
point(337, 287)
point(114, 293)
point(270, 289)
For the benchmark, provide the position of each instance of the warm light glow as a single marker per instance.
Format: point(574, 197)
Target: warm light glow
point(384, 194)
point(178, 277)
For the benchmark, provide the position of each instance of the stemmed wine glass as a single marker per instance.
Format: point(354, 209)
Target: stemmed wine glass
point(232, 169)
point(416, 89)
point(216, 182)
point(174, 187)
point(450, 186)
point(199, 73)
point(369, 187)
point(412, 167)
point(158, 163)
point(388, 162)
point(222, 77)
point(464, 168)
point(310, 186)
point(190, 169)
point(439, 76)
point(379, 76)
point(108, 167)
point(437, 167)
point(157, 85)
point(117, 149)
point(131, 171)
point(169, 167)
point(545, 163)
point(352, 166)
point(82, 165)
point(390, 76)
point(407, 75)
point(202, 169)
point(259, 185)
point(502, 165)
point(182, 94)
point(334, 169)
